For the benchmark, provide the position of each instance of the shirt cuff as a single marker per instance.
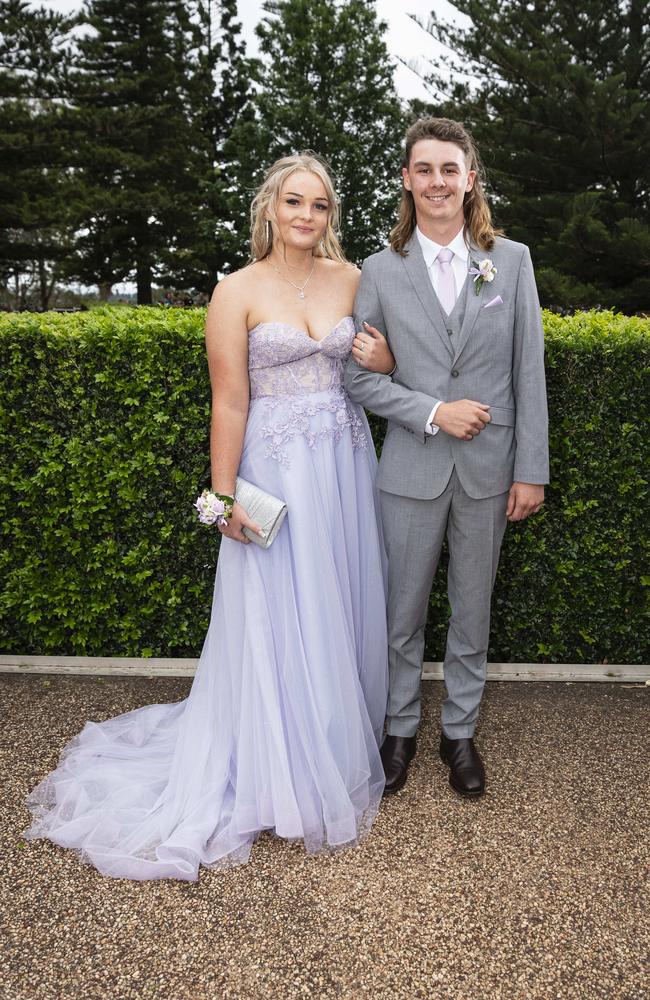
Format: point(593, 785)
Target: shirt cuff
point(432, 428)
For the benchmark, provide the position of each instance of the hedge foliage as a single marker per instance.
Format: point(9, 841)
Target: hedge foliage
point(104, 444)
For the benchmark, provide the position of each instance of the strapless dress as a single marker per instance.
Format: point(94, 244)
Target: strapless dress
point(281, 728)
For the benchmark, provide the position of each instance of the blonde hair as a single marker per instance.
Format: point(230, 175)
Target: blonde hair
point(264, 228)
point(478, 218)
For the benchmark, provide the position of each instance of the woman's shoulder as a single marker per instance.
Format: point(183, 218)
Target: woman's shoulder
point(342, 270)
point(340, 266)
point(235, 284)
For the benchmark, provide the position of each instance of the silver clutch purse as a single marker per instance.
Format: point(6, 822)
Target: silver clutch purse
point(261, 507)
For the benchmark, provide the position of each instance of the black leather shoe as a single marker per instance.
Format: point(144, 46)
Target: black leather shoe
point(467, 774)
point(396, 754)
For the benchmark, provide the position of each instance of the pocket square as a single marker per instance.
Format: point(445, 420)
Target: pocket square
point(496, 301)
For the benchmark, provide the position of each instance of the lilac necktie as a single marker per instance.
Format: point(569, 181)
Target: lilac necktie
point(446, 283)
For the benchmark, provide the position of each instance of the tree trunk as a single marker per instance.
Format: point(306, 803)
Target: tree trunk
point(44, 289)
point(143, 279)
point(105, 289)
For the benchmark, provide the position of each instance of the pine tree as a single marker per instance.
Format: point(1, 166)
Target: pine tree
point(158, 87)
point(137, 161)
point(325, 82)
point(557, 98)
point(217, 87)
point(36, 226)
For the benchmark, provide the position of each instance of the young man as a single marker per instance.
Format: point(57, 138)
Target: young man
point(466, 447)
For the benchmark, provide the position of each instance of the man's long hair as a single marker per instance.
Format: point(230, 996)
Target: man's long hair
point(478, 218)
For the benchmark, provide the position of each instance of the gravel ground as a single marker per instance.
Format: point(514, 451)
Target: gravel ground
point(534, 892)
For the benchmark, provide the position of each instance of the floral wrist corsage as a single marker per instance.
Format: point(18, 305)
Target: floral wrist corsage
point(484, 270)
point(214, 508)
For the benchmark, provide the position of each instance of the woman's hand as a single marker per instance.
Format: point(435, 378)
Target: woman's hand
point(232, 528)
point(370, 350)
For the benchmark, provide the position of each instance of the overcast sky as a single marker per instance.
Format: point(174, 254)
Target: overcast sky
point(404, 38)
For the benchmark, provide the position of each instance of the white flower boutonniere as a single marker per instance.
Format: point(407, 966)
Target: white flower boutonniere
point(483, 271)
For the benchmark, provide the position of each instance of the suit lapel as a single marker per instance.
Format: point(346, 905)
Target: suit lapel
point(419, 277)
point(473, 304)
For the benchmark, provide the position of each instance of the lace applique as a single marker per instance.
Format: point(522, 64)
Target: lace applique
point(315, 373)
point(295, 378)
point(289, 416)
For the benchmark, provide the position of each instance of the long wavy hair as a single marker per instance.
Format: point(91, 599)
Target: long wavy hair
point(264, 228)
point(478, 218)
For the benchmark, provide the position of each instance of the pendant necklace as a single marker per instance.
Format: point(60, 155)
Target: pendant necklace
point(301, 288)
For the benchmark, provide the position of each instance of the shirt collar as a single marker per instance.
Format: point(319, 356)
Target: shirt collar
point(430, 249)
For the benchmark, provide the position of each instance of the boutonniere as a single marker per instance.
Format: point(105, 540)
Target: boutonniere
point(483, 271)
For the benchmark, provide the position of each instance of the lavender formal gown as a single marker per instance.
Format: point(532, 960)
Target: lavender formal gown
point(281, 727)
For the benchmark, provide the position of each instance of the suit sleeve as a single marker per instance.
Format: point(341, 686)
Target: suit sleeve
point(529, 383)
point(383, 394)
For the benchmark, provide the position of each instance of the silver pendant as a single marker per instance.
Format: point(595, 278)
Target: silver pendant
point(301, 294)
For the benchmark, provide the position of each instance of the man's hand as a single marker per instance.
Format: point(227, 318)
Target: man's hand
point(370, 350)
point(524, 499)
point(463, 419)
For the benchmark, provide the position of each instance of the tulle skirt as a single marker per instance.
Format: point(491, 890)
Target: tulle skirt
point(281, 728)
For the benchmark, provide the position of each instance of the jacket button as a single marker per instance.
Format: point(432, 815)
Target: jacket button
point(450, 332)
point(454, 373)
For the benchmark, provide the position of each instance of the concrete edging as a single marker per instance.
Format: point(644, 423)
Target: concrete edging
point(135, 666)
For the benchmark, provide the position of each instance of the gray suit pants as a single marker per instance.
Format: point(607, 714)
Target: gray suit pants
point(414, 531)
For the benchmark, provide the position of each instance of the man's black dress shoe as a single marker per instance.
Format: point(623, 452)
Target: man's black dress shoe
point(467, 774)
point(396, 754)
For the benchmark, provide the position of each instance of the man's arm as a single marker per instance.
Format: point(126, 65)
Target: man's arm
point(529, 383)
point(379, 393)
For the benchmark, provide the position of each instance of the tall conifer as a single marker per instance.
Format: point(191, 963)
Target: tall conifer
point(217, 85)
point(36, 180)
point(557, 95)
point(325, 82)
point(158, 86)
point(136, 160)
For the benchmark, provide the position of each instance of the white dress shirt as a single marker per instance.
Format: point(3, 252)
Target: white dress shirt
point(430, 251)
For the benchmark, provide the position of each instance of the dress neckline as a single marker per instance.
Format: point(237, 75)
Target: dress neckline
point(297, 329)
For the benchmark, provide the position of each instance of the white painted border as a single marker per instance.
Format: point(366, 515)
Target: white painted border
point(134, 666)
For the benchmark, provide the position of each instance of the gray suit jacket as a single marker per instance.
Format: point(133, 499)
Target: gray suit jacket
point(496, 357)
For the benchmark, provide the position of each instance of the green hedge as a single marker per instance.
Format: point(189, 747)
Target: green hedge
point(104, 426)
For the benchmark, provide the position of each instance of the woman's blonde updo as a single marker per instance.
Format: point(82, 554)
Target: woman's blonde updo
point(264, 228)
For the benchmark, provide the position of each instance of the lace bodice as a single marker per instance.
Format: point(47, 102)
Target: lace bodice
point(283, 360)
point(297, 380)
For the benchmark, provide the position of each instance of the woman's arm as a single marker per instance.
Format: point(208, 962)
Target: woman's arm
point(370, 347)
point(226, 341)
point(384, 396)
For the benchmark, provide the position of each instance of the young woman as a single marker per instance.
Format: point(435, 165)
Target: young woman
point(281, 728)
